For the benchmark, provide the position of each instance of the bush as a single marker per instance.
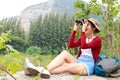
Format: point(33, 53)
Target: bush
point(17, 43)
point(38, 50)
point(33, 49)
point(13, 62)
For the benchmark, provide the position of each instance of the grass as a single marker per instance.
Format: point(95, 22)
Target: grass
point(15, 62)
point(40, 60)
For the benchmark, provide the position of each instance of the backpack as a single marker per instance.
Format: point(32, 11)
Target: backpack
point(107, 66)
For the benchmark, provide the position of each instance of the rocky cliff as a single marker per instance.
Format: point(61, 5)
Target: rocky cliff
point(52, 6)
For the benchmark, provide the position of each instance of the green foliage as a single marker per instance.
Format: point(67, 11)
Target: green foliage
point(39, 50)
point(11, 24)
point(50, 32)
point(33, 49)
point(70, 50)
point(4, 38)
point(77, 77)
point(1, 26)
point(18, 43)
point(87, 9)
point(110, 31)
point(111, 27)
point(17, 36)
point(10, 49)
point(12, 62)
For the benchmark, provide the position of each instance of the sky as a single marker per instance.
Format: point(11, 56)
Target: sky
point(10, 8)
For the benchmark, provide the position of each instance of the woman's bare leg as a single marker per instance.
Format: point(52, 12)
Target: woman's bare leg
point(64, 56)
point(74, 68)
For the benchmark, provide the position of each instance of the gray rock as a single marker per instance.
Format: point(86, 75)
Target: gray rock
point(31, 13)
point(63, 76)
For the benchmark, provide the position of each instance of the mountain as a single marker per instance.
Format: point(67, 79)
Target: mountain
point(52, 6)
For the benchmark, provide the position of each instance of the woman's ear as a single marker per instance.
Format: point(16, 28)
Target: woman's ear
point(93, 28)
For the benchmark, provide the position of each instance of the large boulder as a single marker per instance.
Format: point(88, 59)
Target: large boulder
point(31, 13)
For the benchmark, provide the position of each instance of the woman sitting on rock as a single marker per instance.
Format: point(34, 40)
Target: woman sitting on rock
point(90, 46)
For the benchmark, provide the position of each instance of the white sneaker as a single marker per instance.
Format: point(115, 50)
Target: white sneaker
point(30, 69)
point(28, 65)
point(43, 72)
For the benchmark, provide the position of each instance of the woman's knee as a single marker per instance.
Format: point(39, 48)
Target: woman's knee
point(68, 57)
point(66, 53)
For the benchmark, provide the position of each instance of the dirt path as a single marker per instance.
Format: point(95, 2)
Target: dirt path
point(64, 76)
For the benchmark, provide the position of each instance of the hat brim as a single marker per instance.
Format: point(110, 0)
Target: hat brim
point(94, 24)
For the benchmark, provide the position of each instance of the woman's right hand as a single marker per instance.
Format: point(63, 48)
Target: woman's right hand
point(76, 26)
point(84, 26)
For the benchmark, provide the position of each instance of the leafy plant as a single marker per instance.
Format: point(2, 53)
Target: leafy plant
point(17, 43)
point(108, 15)
point(17, 35)
point(4, 38)
point(12, 62)
point(33, 49)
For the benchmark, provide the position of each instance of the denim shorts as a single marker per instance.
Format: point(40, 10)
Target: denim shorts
point(88, 63)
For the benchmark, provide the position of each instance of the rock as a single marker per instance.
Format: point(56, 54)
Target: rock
point(63, 76)
point(31, 13)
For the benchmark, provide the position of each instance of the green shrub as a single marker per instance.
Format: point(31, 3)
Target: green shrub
point(13, 62)
point(38, 50)
point(33, 49)
point(17, 43)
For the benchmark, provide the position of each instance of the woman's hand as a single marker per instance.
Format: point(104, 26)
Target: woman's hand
point(84, 26)
point(76, 26)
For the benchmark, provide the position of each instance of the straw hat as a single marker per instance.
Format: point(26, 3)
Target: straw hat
point(95, 22)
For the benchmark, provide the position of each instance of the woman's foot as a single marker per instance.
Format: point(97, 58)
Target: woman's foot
point(32, 70)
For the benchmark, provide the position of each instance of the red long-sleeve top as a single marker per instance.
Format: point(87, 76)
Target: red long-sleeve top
point(95, 44)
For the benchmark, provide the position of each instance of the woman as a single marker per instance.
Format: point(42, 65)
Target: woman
point(90, 46)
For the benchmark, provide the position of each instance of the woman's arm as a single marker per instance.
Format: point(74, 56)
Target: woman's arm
point(72, 42)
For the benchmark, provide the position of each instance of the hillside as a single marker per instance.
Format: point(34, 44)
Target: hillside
point(52, 6)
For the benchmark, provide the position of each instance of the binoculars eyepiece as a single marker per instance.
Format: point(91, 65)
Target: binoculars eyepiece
point(80, 21)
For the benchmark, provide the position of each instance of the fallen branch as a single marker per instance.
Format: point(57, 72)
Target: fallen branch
point(3, 68)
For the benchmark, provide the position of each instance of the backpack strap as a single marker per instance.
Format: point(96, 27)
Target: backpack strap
point(115, 74)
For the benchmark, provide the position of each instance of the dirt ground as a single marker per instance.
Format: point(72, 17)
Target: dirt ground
point(63, 76)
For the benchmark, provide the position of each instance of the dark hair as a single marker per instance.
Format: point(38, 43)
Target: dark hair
point(93, 26)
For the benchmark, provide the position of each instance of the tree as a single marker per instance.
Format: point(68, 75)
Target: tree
point(111, 28)
point(108, 10)
point(50, 32)
point(17, 36)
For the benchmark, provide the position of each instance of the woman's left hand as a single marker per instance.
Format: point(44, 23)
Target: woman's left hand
point(76, 26)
